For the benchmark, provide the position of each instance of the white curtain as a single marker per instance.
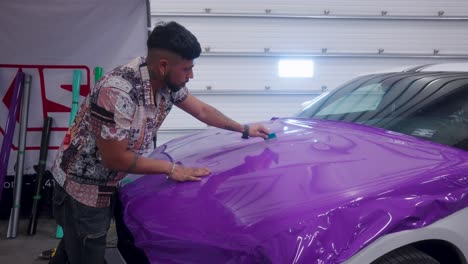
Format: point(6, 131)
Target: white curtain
point(48, 39)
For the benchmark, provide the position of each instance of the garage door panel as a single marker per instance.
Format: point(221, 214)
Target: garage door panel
point(361, 7)
point(293, 35)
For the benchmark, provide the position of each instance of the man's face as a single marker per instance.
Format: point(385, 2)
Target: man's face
point(179, 74)
point(168, 69)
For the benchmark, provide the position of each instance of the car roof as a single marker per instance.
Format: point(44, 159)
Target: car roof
point(451, 67)
point(435, 67)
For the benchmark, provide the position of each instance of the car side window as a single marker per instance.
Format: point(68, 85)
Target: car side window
point(444, 121)
point(365, 98)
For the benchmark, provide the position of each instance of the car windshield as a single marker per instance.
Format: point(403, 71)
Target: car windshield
point(433, 106)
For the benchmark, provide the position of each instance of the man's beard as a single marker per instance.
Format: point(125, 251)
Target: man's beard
point(172, 87)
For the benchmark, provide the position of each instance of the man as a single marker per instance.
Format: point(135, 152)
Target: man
point(114, 127)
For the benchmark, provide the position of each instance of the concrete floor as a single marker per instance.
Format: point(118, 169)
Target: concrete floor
point(25, 249)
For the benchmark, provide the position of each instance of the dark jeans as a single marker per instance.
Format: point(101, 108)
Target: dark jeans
point(84, 230)
point(126, 242)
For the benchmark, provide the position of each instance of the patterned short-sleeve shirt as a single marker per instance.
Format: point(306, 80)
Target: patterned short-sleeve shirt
point(121, 106)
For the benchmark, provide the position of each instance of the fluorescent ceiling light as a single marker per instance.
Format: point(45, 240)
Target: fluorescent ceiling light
point(296, 68)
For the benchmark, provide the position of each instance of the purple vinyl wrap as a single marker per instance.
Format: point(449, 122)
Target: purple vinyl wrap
point(318, 193)
point(10, 127)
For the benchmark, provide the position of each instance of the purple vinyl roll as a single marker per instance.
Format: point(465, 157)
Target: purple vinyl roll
point(10, 128)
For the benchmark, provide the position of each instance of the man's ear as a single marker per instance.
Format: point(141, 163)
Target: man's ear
point(163, 67)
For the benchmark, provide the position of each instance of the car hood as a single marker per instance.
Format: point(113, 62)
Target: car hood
point(319, 191)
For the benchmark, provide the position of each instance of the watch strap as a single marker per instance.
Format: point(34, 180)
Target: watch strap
point(245, 133)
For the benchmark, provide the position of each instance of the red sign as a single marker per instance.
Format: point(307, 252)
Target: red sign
point(50, 95)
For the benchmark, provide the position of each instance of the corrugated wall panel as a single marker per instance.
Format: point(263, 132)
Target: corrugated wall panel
point(360, 7)
point(310, 35)
point(247, 73)
point(254, 74)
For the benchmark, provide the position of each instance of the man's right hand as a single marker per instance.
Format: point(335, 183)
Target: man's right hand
point(182, 173)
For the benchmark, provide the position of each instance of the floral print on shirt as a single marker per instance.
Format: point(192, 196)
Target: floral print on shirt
point(121, 106)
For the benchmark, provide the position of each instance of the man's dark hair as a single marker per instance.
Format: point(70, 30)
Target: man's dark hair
point(174, 37)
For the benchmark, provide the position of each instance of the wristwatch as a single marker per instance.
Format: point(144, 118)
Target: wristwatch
point(245, 134)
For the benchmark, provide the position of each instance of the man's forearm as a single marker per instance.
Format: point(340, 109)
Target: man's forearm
point(131, 162)
point(213, 117)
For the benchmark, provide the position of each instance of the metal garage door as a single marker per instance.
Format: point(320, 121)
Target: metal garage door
point(243, 42)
